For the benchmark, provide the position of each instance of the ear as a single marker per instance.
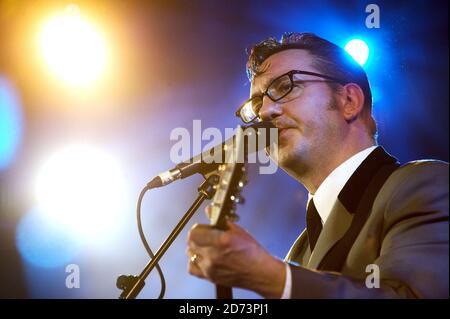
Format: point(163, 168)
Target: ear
point(353, 101)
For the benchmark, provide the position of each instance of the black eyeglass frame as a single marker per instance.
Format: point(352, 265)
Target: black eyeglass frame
point(290, 74)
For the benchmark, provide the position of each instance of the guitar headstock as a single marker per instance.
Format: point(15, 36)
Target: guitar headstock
point(231, 181)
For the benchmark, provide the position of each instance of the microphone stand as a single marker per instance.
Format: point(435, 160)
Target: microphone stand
point(132, 285)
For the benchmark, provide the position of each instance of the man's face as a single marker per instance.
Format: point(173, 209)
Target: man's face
point(308, 118)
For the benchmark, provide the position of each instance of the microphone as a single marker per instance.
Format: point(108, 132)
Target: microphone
point(206, 162)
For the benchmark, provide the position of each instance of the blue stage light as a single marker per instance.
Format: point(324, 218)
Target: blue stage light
point(43, 243)
point(358, 49)
point(10, 122)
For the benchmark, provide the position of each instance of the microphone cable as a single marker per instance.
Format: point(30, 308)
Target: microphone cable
point(145, 243)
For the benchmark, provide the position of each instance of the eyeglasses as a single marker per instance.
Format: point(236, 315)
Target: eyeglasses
point(276, 90)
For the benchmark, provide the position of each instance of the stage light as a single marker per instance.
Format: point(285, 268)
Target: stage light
point(10, 122)
point(83, 189)
point(358, 49)
point(73, 48)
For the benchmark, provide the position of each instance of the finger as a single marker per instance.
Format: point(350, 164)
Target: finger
point(199, 251)
point(195, 270)
point(192, 246)
point(193, 264)
point(203, 235)
point(235, 228)
point(231, 225)
point(190, 251)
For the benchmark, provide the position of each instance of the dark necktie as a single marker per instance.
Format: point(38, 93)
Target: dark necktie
point(313, 224)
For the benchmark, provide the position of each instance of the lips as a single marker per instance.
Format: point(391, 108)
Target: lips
point(284, 127)
point(283, 132)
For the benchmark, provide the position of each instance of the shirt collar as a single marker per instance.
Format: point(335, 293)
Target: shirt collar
point(328, 191)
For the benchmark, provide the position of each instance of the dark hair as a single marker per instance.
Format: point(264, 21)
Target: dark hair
point(330, 59)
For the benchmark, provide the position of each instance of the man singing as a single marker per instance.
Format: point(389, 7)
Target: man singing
point(365, 210)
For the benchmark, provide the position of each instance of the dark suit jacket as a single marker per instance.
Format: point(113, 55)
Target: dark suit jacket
point(393, 216)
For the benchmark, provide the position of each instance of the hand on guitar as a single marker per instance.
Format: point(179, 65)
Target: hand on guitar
point(234, 258)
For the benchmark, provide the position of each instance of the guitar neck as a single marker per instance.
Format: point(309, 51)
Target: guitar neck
point(231, 175)
point(224, 292)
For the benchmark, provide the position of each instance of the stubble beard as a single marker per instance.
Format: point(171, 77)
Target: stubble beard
point(300, 157)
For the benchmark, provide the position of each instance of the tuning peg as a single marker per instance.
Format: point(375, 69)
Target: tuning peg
point(243, 181)
point(237, 199)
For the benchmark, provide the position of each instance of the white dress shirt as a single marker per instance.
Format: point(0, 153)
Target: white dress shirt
point(327, 194)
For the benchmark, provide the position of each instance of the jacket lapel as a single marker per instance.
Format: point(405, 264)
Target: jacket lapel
point(299, 252)
point(355, 199)
point(334, 229)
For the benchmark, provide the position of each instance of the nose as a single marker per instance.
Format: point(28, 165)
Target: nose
point(269, 110)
